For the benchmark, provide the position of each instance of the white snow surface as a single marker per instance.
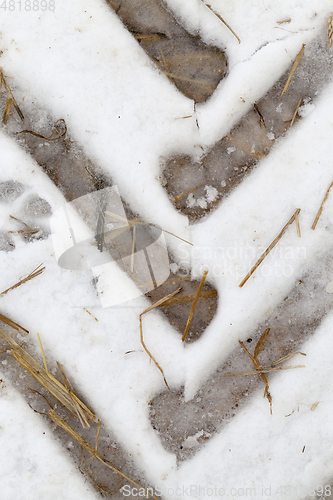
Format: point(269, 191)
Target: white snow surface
point(83, 65)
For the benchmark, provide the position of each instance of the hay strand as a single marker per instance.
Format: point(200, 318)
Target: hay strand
point(6, 112)
point(321, 207)
point(223, 21)
point(330, 31)
point(293, 69)
point(61, 423)
point(153, 306)
point(36, 272)
point(270, 248)
point(46, 379)
point(16, 106)
point(258, 366)
point(189, 319)
point(295, 114)
point(60, 135)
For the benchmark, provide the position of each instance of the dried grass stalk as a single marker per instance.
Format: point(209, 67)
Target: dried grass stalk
point(11, 323)
point(36, 272)
point(185, 193)
point(223, 21)
point(184, 299)
point(321, 207)
point(295, 114)
point(257, 364)
point(16, 106)
point(134, 222)
point(153, 306)
point(6, 112)
point(60, 135)
point(61, 423)
point(330, 31)
point(59, 391)
point(263, 370)
point(271, 246)
point(189, 319)
point(28, 229)
point(293, 69)
point(196, 81)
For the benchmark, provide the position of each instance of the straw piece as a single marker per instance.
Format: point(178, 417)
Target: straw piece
point(271, 246)
point(205, 294)
point(295, 114)
point(16, 106)
point(261, 118)
point(29, 230)
point(191, 80)
point(6, 112)
point(223, 21)
point(61, 135)
point(46, 379)
point(90, 314)
point(11, 323)
point(189, 319)
point(263, 370)
point(153, 306)
point(261, 342)
point(284, 21)
point(293, 69)
point(288, 356)
point(330, 31)
point(36, 272)
point(61, 423)
point(259, 368)
point(133, 222)
point(185, 193)
point(321, 207)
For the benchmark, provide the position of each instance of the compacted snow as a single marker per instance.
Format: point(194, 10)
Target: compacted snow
point(79, 62)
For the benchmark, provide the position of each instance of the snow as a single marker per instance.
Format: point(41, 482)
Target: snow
point(81, 63)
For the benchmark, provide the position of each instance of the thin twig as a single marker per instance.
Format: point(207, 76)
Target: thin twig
point(321, 207)
point(270, 248)
point(293, 69)
point(189, 319)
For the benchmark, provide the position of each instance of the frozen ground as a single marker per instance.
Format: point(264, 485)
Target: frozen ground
point(76, 61)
